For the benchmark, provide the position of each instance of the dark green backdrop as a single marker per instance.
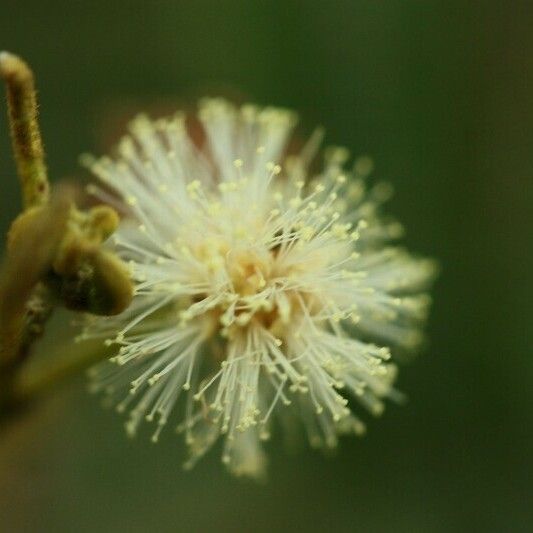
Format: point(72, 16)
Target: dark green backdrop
point(440, 93)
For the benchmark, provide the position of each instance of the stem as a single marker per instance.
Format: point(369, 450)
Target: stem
point(20, 386)
point(25, 134)
point(29, 384)
point(41, 240)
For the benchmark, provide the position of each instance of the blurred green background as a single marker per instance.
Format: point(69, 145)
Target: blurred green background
point(441, 95)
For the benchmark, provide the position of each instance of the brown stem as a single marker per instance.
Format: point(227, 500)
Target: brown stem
point(25, 134)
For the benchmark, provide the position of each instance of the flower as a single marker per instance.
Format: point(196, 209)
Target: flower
point(260, 281)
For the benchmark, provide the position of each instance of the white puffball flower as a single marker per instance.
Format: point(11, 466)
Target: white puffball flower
point(262, 280)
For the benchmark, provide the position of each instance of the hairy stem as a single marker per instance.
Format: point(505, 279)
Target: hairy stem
point(25, 134)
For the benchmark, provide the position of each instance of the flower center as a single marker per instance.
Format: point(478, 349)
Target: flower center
point(248, 272)
point(246, 287)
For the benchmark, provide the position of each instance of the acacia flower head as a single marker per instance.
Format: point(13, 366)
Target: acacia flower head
point(266, 284)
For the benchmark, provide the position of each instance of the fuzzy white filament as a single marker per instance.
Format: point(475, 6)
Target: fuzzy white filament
point(259, 282)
